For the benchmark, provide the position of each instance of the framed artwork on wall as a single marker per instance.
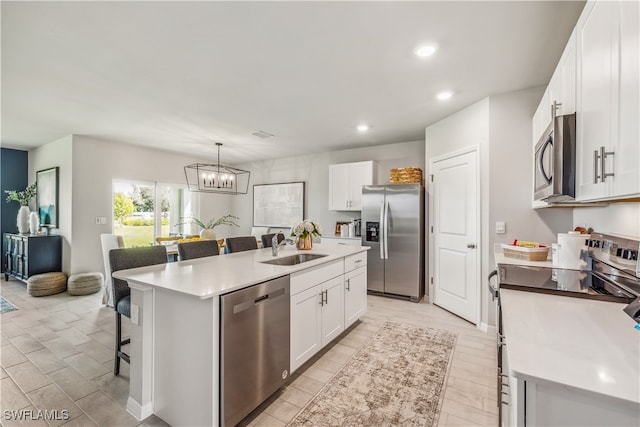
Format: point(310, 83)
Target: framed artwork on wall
point(278, 205)
point(47, 197)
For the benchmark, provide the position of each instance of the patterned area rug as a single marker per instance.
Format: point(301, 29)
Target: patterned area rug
point(395, 379)
point(6, 306)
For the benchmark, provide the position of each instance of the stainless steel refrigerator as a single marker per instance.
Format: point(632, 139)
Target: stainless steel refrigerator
point(393, 226)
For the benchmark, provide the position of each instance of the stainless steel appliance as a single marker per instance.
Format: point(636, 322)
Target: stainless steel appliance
point(555, 161)
point(393, 223)
point(254, 347)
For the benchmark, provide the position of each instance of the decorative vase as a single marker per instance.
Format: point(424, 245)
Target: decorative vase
point(305, 243)
point(34, 222)
point(208, 234)
point(23, 220)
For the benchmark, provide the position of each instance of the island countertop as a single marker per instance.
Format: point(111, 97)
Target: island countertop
point(212, 276)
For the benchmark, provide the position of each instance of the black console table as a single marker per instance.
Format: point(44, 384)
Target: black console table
point(26, 255)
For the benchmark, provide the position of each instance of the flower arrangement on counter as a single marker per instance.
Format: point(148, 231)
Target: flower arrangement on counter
point(306, 228)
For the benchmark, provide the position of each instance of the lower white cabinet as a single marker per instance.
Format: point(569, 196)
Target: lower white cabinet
point(317, 317)
point(306, 326)
point(355, 295)
point(324, 302)
point(332, 308)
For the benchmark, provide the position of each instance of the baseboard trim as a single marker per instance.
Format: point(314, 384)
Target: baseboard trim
point(487, 329)
point(140, 412)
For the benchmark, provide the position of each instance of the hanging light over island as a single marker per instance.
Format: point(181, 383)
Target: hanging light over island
point(216, 178)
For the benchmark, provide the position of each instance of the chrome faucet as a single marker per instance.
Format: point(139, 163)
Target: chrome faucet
point(275, 246)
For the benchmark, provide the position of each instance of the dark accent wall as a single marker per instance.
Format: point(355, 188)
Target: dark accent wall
point(14, 175)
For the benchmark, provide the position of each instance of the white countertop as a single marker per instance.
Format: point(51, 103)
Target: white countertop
point(586, 344)
point(211, 276)
point(337, 236)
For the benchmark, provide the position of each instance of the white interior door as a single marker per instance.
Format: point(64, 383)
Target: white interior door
point(456, 234)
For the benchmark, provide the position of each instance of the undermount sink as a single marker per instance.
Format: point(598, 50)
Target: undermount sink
point(293, 259)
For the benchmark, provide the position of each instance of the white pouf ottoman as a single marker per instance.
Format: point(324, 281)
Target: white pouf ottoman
point(85, 283)
point(40, 285)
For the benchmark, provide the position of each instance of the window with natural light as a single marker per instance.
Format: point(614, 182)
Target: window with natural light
point(143, 211)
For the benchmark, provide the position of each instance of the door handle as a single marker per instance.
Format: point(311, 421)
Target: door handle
point(349, 284)
point(386, 230)
point(603, 156)
point(471, 245)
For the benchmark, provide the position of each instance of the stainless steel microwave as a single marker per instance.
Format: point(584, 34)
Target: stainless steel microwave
point(555, 161)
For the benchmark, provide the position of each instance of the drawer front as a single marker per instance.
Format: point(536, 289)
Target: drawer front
point(310, 277)
point(355, 261)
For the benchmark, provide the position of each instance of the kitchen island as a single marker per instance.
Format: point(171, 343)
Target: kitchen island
point(175, 316)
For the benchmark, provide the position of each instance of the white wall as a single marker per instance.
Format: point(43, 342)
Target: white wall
point(94, 164)
point(314, 171)
point(58, 153)
point(501, 126)
point(622, 218)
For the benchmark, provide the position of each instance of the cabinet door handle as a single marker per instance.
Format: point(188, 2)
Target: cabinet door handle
point(596, 157)
point(348, 284)
point(321, 294)
point(603, 156)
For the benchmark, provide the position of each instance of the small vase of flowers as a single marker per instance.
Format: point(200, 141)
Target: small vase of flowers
point(22, 197)
point(304, 232)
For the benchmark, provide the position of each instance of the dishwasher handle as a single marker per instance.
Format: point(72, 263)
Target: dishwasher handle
point(253, 302)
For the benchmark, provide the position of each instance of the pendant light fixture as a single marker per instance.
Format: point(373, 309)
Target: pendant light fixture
point(216, 178)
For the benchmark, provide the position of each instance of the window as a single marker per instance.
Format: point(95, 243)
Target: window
point(143, 211)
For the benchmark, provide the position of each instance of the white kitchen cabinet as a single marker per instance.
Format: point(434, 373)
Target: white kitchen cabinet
point(306, 326)
point(355, 295)
point(317, 317)
point(345, 185)
point(317, 309)
point(541, 118)
point(608, 153)
point(332, 309)
point(352, 241)
point(562, 86)
point(546, 404)
point(561, 90)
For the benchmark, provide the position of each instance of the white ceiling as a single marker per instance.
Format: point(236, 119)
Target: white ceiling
point(180, 75)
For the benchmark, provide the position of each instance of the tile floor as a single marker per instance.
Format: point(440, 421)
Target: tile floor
point(57, 353)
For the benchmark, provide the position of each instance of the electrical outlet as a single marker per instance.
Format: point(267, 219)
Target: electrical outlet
point(101, 220)
point(135, 311)
point(98, 220)
point(501, 227)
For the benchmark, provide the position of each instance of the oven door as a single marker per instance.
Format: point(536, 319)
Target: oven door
point(543, 165)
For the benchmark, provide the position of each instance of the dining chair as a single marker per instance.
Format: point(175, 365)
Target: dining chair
point(109, 241)
point(243, 243)
point(203, 248)
point(122, 259)
point(268, 238)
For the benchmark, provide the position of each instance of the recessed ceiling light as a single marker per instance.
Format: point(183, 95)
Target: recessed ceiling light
point(362, 128)
point(443, 96)
point(425, 50)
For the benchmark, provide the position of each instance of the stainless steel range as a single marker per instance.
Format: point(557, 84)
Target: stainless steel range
point(614, 275)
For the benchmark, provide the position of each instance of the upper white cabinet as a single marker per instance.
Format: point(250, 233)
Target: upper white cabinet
point(345, 185)
point(562, 86)
point(608, 74)
point(560, 93)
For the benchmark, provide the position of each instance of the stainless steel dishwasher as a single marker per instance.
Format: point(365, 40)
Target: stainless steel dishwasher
point(254, 347)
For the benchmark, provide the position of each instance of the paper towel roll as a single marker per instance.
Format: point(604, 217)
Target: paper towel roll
point(572, 252)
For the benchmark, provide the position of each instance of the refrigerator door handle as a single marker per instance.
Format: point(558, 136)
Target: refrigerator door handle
point(380, 232)
point(386, 229)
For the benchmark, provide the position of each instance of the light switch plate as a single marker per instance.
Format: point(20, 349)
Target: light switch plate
point(135, 309)
point(501, 227)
